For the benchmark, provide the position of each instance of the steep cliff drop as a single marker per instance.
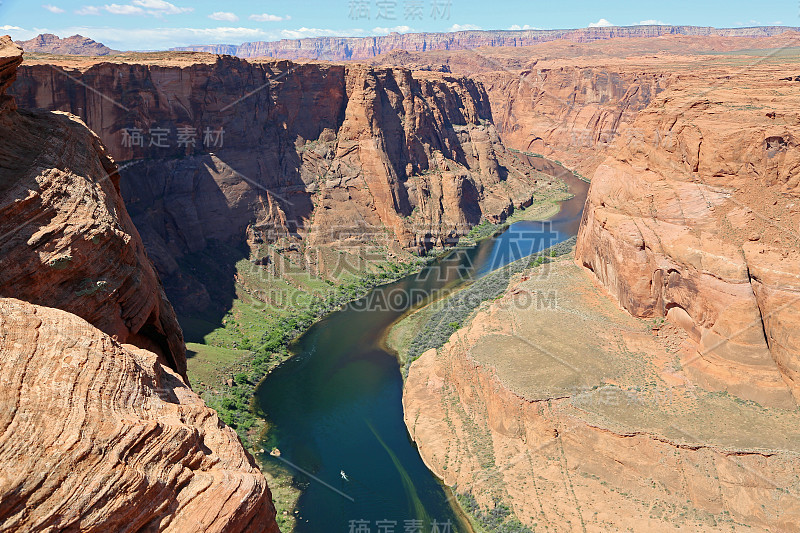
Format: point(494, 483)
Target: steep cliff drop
point(304, 154)
point(99, 430)
point(698, 222)
point(651, 384)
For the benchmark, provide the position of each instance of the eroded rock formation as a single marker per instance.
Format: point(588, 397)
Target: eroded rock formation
point(99, 430)
point(100, 436)
point(65, 237)
point(307, 151)
point(696, 220)
point(78, 45)
point(578, 417)
point(658, 391)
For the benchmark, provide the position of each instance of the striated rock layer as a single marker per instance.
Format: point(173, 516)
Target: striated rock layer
point(652, 384)
point(307, 153)
point(100, 436)
point(340, 48)
point(65, 236)
point(696, 220)
point(99, 429)
point(572, 101)
point(554, 402)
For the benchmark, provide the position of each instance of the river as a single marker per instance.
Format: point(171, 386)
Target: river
point(336, 406)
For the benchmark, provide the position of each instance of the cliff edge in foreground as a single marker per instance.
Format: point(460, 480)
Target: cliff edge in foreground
point(99, 430)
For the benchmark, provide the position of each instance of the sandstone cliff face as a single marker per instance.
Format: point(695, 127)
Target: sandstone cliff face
point(65, 237)
point(577, 417)
point(340, 48)
point(697, 222)
point(99, 430)
point(570, 113)
point(99, 436)
point(572, 102)
point(308, 150)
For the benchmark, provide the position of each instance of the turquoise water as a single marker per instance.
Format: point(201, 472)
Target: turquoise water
point(336, 406)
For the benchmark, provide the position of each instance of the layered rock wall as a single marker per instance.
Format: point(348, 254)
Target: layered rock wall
point(99, 429)
point(697, 222)
point(306, 151)
point(339, 48)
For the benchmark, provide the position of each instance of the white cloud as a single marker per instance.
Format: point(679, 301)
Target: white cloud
point(464, 27)
point(155, 8)
point(398, 29)
point(52, 9)
point(602, 23)
point(116, 9)
point(160, 7)
point(266, 17)
point(651, 22)
point(516, 27)
point(223, 15)
point(20, 34)
point(88, 10)
point(163, 38)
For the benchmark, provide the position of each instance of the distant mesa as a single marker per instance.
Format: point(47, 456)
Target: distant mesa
point(347, 48)
point(77, 45)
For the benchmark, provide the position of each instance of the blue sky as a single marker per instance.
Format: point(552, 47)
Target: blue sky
point(158, 24)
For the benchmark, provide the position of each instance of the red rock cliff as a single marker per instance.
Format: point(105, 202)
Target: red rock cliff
point(65, 237)
point(696, 220)
point(339, 48)
point(99, 430)
point(308, 149)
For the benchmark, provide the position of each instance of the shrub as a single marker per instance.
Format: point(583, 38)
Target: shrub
point(457, 308)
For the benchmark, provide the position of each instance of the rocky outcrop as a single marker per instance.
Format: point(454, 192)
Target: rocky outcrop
point(97, 436)
point(341, 48)
point(696, 220)
point(65, 237)
point(78, 45)
point(571, 113)
point(572, 101)
point(677, 408)
point(99, 429)
point(596, 431)
point(305, 152)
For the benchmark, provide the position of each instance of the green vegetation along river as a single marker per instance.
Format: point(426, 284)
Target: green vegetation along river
point(334, 410)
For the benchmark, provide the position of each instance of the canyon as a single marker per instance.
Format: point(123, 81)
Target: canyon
point(100, 428)
point(304, 153)
point(658, 391)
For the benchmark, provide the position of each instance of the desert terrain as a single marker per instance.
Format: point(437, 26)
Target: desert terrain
point(655, 388)
point(646, 378)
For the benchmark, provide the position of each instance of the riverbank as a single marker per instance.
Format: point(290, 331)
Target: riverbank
point(227, 364)
point(569, 414)
point(430, 326)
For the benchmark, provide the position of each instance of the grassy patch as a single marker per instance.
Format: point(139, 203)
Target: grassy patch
point(434, 328)
point(497, 519)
